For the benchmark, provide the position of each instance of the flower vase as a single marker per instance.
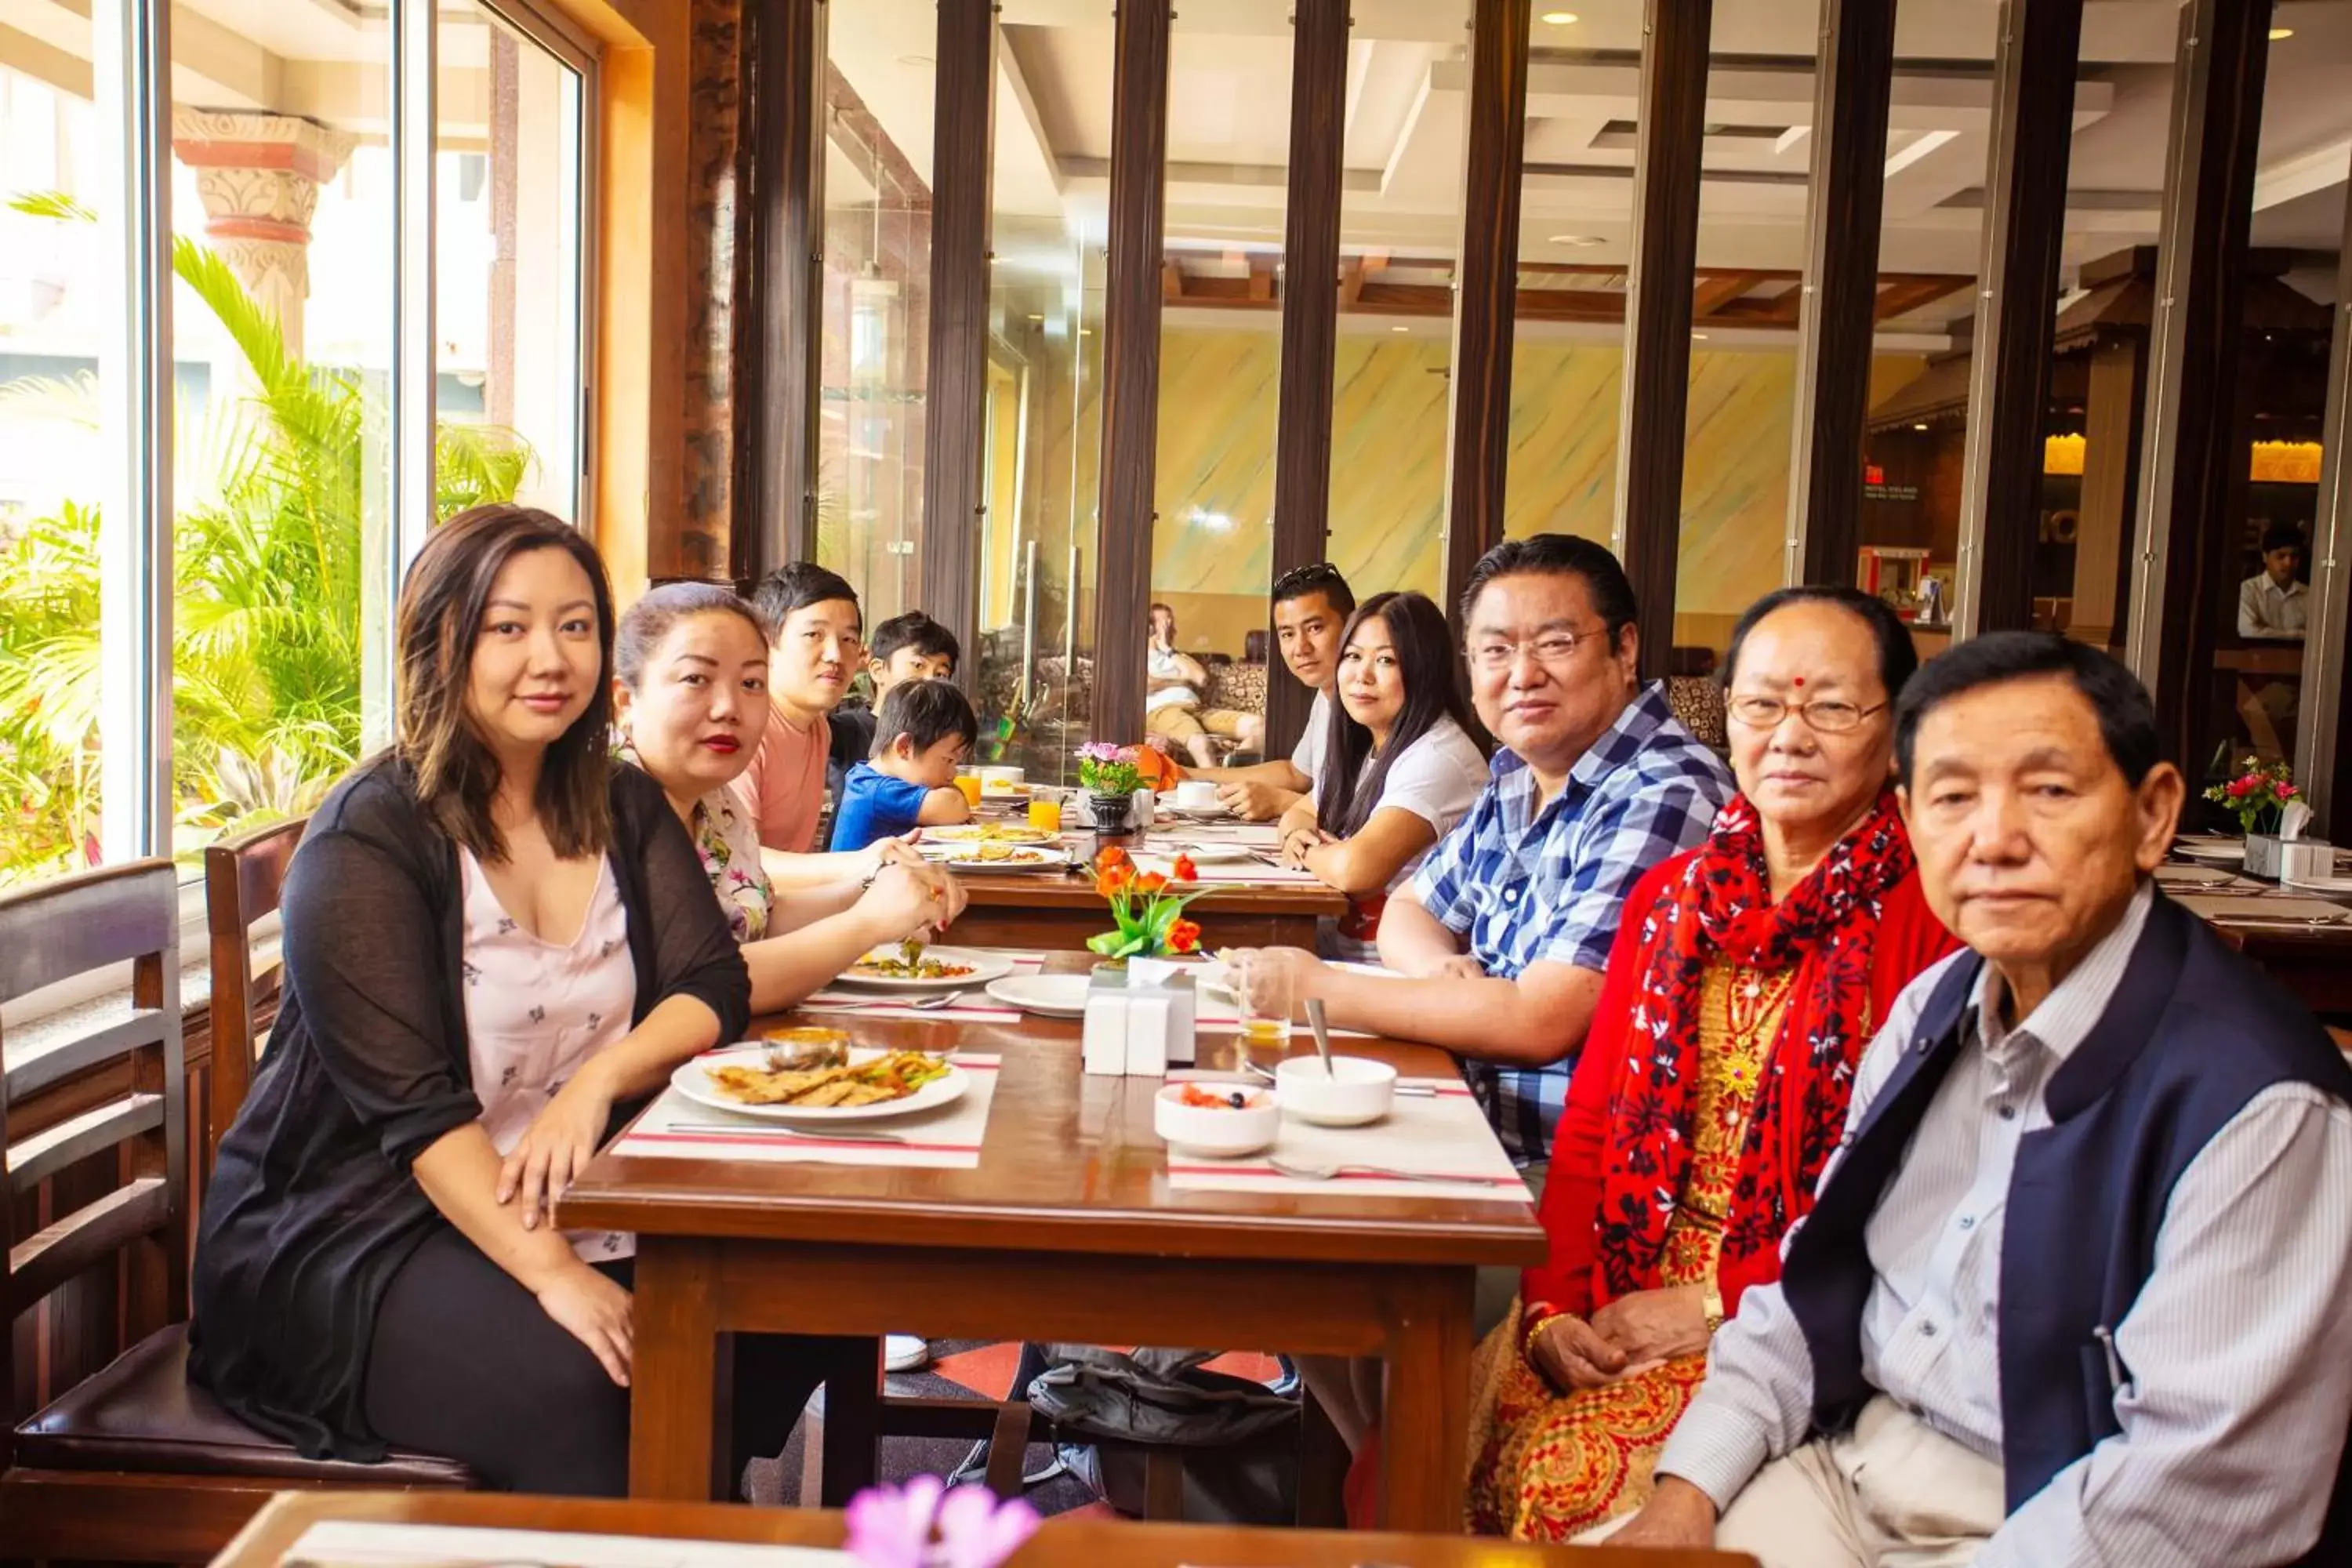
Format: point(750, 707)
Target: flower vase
point(2264, 858)
point(1111, 814)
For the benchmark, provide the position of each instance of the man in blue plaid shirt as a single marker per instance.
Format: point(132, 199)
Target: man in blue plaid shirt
point(1507, 925)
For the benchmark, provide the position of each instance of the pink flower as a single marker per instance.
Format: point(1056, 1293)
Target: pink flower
point(2286, 791)
point(924, 1525)
point(2241, 788)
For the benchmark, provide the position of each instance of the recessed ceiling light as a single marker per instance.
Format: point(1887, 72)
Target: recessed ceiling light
point(1085, 331)
point(1399, 329)
point(1036, 317)
point(1560, 18)
point(1576, 239)
point(1919, 426)
point(2278, 33)
point(1698, 337)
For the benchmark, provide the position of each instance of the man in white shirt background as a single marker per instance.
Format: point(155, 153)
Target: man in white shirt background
point(2272, 604)
point(1171, 704)
point(2078, 1283)
point(1311, 605)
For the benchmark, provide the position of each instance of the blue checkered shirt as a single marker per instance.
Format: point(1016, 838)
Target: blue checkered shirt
point(1545, 887)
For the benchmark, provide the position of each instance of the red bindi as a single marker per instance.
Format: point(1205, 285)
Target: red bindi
point(1800, 681)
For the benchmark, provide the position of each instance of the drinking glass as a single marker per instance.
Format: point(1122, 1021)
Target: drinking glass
point(1267, 1000)
point(1045, 813)
point(970, 785)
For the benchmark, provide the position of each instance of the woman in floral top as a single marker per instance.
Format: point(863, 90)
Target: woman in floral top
point(690, 693)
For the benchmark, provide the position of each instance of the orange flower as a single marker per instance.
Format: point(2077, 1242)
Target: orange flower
point(1183, 936)
point(1113, 881)
point(1150, 883)
point(1111, 858)
point(1184, 871)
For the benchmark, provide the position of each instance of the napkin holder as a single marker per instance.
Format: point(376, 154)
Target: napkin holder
point(1162, 1027)
point(2306, 859)
point(1103, 1035)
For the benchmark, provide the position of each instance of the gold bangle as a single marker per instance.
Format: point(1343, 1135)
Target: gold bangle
point(1528, 1339)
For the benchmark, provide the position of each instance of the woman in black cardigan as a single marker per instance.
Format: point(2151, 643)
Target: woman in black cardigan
point(464, 1021)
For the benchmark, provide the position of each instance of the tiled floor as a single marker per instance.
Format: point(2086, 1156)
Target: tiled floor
point(966, 1368)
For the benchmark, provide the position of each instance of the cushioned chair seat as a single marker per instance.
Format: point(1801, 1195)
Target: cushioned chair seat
point(143, 1415)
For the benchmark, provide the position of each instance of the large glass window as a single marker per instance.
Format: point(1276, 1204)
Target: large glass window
point(1044, 418)
point(62, 217)
point(877, 290)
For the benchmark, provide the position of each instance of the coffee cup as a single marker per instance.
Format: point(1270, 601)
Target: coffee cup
point(1196, 794)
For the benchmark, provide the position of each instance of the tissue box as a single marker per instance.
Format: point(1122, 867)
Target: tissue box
point(2304, 860)
point(1103, 1036)
point(1158, 978)
point(2264, 855)
point(1147, 1036)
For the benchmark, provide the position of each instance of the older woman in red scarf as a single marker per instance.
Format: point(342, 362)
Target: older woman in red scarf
point(1748, 976)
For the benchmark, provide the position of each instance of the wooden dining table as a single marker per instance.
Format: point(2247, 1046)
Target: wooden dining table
point(1078, 1542)
point(1059, 909)
point(1068, 1230)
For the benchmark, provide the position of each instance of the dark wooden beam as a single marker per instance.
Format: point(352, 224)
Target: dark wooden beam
point(775, 445)
point(2323, 757)
point(1852, 80)
point(2191, 453)
point(1900, 295)
point(1716, 289)
point(1131, 395)
point(2033, 70)
point(1478, 442)
point(1655, 397)
point(955, 412)
point(1310, 324)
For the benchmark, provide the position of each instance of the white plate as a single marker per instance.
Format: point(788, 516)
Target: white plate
point(1196, 813)
point(2210, 848)
point(1047, 996)
point(1053, 858)
point(1200, 854)
point(985, 967)
point(2329, 887)
point(693, 1080)
point(1213, 981)
point(974, 832)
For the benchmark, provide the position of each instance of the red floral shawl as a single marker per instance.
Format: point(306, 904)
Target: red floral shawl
point(1722, 905)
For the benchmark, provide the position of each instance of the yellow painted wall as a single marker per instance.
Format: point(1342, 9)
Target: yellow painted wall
point(1211, 552)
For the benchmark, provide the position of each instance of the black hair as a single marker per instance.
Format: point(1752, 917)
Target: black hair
point(926, 712)
point(1424, 653)
point(651, 618)
point(1898, 656)
point(1323, 578)
point(917, 631)
point(2127, 717)
point(2282, 536)
point(1604, 579)
point(796, 586)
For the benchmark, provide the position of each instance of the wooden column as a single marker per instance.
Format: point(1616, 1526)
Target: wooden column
point(2321, 754)
point(775, 446)
point(1654, 406)
point(1478, 442)
point(1310, 326)
point(2189, 436)
point(955, 415)
point(2103, 525)
point(1130, 373)
point(1853, 81)
point(2016, 312)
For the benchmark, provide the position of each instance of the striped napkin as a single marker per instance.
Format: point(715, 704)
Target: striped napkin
point(946, 1139)
point(1444, 1134)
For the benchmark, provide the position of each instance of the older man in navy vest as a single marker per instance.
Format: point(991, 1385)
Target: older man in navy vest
point(2078, 1288)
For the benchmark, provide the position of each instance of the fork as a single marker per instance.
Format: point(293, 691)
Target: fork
point(844, 1134)
point(1304, 1172)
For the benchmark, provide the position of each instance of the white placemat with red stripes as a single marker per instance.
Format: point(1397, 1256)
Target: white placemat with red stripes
point(1444, 1134)
point(947, 1139)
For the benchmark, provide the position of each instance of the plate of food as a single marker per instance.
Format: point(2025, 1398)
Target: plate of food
point(911, 966)
point(809, 1080)
point(997, 855)
point(1201, 854)
point(986, 833)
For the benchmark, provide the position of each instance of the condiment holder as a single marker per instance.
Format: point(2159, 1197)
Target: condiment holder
point(1140, 1020)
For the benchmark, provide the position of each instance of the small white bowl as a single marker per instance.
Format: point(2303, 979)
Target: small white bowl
point(1225, 1131)
point(1357, 1089)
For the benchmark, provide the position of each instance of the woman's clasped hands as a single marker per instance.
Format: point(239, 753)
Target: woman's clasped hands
point(1630, 1336)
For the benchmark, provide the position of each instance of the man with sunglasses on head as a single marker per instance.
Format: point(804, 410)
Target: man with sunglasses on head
point(1311, 605)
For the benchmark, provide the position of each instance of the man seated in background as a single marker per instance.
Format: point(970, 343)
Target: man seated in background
point(2272, 604)
point(1171, 707)
point(1311, 606)
point(912, 647)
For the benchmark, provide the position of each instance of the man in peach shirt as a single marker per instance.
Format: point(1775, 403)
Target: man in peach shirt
point(813, 631)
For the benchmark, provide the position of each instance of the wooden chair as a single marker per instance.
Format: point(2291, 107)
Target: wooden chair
point(135, 1463)
point(242, 878)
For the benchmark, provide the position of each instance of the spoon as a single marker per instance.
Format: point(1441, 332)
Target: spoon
point(1301, 1172)
point(1322, 1027)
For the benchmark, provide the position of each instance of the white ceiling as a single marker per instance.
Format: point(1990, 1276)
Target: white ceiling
point(1229, 106)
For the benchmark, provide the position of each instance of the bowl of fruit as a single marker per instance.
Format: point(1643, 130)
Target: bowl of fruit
point(1220, 1119)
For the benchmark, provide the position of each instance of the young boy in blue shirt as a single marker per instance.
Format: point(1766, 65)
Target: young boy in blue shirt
point(924, 729)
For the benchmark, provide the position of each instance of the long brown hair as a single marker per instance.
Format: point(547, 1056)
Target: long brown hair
point(441, 606)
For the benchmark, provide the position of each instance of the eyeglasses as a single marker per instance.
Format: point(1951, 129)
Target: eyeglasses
point(1823, 716)
point(1304, 579)
point(1552, 650)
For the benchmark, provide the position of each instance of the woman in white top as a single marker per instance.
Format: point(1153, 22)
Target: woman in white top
point(1400, 767)
point(689, 691)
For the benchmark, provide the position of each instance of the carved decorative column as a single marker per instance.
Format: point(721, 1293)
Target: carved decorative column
point(258, 176)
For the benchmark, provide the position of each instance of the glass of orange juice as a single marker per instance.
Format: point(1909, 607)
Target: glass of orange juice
point(1044, 813)
point(970, 785)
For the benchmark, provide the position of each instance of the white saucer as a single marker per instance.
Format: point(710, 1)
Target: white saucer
point(1047, 996)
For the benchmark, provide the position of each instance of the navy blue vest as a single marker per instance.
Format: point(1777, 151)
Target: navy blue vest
point(2191, 1033)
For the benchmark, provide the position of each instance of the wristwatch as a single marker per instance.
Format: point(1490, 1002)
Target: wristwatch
point(1710, 1306)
